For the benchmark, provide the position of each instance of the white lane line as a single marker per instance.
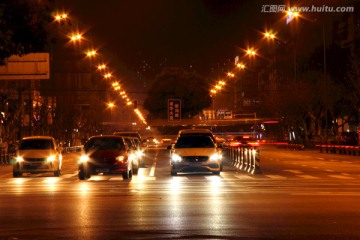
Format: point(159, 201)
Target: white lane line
point(307, 177)
point(329, 170)
point(152, 170)
point(341, 177)
point(276, 176)
point(243, 177)
point(294, 171)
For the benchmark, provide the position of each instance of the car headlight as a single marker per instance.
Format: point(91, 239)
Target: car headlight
point(176, 158)
point(139, 153)
point(51, 158)
point(19, 159)
point(215, 157)
point(84, 158)
point(120, 158)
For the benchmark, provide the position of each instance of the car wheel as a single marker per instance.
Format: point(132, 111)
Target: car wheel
point(136, 170)
point(173, 173)
point(57, 173)
point(216, 173)
point(83, 174)
point(221, 167)
point(126, 175)
point(17, 174)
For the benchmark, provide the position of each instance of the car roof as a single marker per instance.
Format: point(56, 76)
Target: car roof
point(38, 137)
point(201, 130)
point(106, 136)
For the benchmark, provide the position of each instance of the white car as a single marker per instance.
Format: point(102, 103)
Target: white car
point(195, 153)
point(37, 154)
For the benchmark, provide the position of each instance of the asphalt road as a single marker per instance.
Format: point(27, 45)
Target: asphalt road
point(298, 195)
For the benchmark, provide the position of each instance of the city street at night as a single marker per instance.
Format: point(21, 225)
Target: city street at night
point(179, 119)
point(298, 195)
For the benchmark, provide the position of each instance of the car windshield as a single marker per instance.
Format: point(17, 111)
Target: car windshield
point(105, 144)
point(198, 134)
point(36, 144)
point(194, 142)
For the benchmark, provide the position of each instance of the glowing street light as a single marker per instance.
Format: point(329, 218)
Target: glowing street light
point(251, 52)
point(111, 105)
point(60, 17)
point(269, 35)
point(101, 67)
point(290, 15)
point(240, 65)
point(91, 53)
point(229, 74)
point(107, 75)
point(76, 37)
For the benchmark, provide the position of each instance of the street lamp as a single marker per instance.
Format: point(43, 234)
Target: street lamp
point(60, 17)
point(76, 37)
point(251, 52)
point(101, 67)
point(107, 75)
point(111, 105)
point(269, 35)
point(90, 53)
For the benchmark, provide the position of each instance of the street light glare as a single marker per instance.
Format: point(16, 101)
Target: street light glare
point(91, 53)
point(76, 37)
point(251, 52)
point(269, 35)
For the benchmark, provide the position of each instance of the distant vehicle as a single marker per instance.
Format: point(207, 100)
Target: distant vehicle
point(246, 140)
point(37, 154)
point(151, 142)
point(106, 154)
point(349, 138)
point(195, 153)
point(128, 134)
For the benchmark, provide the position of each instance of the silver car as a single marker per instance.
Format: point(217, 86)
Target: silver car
point(195, 153)
point(37, 154)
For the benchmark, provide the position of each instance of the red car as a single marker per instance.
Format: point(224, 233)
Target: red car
point(107, 154)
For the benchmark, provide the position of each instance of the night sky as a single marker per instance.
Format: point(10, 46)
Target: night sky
point(199, 33)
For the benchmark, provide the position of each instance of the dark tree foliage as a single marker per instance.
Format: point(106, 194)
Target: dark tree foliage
point(23, 27)
point(176, 83)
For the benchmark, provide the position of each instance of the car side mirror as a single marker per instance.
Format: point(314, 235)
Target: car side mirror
point(169, 147)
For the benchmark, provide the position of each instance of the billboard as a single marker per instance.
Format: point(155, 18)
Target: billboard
point(33, 66)
point(174, 109)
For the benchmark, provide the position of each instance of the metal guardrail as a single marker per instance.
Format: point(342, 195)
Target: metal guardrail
point(291, 146)
point(339, 149)
point(5, 158)
point(244, 157)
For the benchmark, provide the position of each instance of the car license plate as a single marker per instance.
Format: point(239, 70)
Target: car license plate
point(102, 170)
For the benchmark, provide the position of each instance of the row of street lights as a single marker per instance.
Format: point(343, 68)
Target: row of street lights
point(251, 53)
point(91, 53)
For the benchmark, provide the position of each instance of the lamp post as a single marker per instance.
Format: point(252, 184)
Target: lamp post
point(290, 15)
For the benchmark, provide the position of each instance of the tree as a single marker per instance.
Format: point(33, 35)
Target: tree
point(23, 27)
point(176, 83)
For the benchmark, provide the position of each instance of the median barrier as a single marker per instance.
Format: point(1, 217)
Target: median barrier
point(244, 157)
point(291, 146)
point(339, 149)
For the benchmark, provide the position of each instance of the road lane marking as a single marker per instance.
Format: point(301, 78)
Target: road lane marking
point(294, 171)
point(329, 170)
point(341, 177)
point(307, 177)
point(276, 176)
point(152, 170)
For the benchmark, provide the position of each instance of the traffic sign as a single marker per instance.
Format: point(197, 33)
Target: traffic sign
point(174, 109)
